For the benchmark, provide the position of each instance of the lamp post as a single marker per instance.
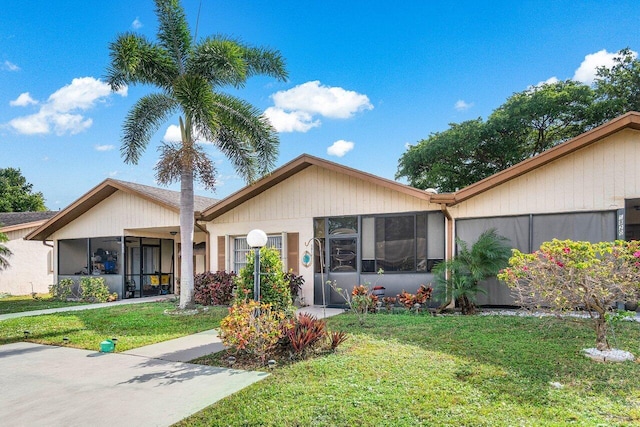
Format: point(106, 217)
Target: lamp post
point(256, 239)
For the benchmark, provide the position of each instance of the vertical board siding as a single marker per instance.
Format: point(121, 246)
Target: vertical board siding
point(319, 192)
point(118, 212)
point(597, 177)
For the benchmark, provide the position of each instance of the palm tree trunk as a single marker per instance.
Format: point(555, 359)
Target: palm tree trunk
point(186, 239)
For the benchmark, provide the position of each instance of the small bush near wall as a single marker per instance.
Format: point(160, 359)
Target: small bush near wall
point(94, 289)
point(274, 287)
point(62, 290)
point(295, 283)
point(214, 288)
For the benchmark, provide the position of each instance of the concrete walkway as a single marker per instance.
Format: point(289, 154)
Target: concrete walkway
point(60, 386)
point(87, 306)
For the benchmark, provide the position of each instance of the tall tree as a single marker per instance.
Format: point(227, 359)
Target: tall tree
point(528, 123)
point(618, 87)
point(16, 194)
point(5, 253)
point(190, 75)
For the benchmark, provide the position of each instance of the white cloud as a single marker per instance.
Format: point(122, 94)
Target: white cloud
point(60, 113)
point(172, 134)
point(340, 148)
point(113, 173)
point(10, 66)
point(586, 73)
point(294, 109)
point(106, 147)
point(136, 24)
point(294, 121)
point(462, 105)
point(549, 81)
point(23, 100)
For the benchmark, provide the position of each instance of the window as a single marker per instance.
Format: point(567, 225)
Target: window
point(241, 249)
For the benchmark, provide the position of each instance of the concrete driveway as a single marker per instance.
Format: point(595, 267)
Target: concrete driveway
point(58, 386)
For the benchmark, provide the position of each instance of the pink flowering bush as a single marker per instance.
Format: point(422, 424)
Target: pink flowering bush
point(567, 275)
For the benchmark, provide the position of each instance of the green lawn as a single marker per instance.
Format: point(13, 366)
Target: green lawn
point(407, 370)
point(20, 303)
point(134, 325)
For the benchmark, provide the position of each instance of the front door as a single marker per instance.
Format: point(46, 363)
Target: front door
point(340, 260)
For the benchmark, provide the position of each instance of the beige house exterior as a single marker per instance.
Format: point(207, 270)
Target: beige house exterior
point(331, 222)
point(31, 265)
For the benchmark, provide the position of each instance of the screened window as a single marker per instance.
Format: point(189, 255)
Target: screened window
point(241, 249)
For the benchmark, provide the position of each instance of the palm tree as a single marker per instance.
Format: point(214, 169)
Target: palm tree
point(189, 75)
point(4, 252)
point(459, 279)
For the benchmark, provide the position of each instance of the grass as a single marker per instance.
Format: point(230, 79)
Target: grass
point(134, 325)
point(407, 370)
point(21, 303)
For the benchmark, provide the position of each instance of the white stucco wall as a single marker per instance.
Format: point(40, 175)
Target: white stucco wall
point(30, 265)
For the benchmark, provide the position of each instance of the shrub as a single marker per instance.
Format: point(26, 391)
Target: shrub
point(565, 275)
point(62, 290)
point(410, 300)
point(93, 289)
point(252, 328)
point(274, 288)
point(303, 333)
point(336, 338)
point(214, 288)
point(295, 284)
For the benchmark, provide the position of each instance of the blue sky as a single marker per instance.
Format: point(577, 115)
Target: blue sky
point(366, 78)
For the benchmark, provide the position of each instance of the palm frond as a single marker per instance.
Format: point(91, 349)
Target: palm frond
point(221, 60)
point(174, 158)
point(135, 60)
point(142, 122)
point(5, 252)
point(173, 31)
point(238, 126)
point(263, 61)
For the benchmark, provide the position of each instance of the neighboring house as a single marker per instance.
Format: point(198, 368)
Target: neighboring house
point(126, 233)
point(334, 223)
point(30, 266)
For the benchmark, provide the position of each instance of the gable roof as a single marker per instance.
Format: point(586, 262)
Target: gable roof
point(293, 167)
point(167, 198)
point(11, 221)
point(629, 120)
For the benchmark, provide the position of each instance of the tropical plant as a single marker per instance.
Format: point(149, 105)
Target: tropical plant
point(62, 290)
point(421, 296)
point(252, 328)
point(190, 74)
point(302, 333)
point(295, 283)
point(94, 289)
point(274, 286)
point(5, 252)
point(459, 279)
point(566, 275)
point(214, 288)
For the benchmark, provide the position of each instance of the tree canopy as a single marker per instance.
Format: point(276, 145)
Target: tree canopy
point(526, 124)
point(16, 194)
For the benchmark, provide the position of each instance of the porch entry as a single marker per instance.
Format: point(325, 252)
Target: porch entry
point(149, 267)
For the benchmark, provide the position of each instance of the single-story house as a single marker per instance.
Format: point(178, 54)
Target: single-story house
point(334, 223)
point(31, 265)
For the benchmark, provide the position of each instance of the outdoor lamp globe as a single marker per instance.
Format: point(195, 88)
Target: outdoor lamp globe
point(256, 238)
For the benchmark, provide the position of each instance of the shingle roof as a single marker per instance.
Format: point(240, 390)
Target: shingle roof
point(169, 197)
point(8, 219)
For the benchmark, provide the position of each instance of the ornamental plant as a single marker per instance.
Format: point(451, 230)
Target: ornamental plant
point(62, 290)
point(252, 328)
point(410, 300)
point(214, 288)
point(274, 286)
point(303, 333)
point(94, 289)
point(567, 275)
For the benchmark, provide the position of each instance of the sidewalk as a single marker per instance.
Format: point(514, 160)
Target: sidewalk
point(87, 306)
